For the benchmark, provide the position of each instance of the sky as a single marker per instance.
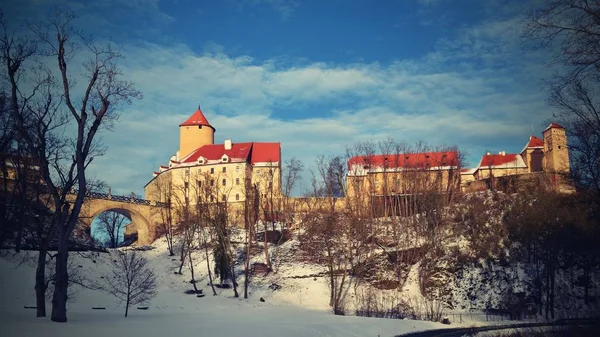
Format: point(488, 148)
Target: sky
point(317, 76)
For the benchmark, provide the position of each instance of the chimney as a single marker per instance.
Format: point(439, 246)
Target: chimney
point(502, 153)
point(228, 144)
point(488, 153)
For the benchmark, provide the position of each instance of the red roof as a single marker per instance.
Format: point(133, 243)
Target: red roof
point(197, 118)
point(248, 152)
point(499, 160)
point(554, 126)
point(535, 142)
point(408, 160)
point(265, 153)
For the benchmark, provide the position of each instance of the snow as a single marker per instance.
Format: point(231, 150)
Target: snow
point(299, 308)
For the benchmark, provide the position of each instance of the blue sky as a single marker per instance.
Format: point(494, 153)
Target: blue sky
point(316, 76)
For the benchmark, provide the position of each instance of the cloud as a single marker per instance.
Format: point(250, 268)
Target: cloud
point(475, 108)
point(477, 89)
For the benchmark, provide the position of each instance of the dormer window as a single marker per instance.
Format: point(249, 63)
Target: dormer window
point(201, 160)
point(225, 158)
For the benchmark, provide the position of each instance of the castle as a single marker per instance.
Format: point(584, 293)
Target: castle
point(202, 171)
point(386, 175)
point(548, 157)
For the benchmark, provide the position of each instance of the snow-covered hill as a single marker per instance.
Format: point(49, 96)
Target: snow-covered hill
point(299, 307)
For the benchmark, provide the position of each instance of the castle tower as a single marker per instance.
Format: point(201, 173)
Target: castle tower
point(556, 153)
point(195, 132)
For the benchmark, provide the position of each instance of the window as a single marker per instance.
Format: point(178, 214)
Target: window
point(270, 184)
point(237, 197)
point(212, 183)
point(224, 169)
point(223, 197)
point(212, 170)
point(237, 181)
point(199, 183)
point(237, 168)
point(224, 182)
point(186, 185)
point(187, 200)
point(212, 198)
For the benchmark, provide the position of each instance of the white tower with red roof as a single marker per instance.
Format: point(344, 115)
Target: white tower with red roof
point(195, 132)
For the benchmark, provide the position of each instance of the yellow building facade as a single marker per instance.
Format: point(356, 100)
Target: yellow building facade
point(204, 172)
point(403, 174)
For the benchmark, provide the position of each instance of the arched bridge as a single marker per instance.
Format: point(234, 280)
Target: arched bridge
point(144, 214)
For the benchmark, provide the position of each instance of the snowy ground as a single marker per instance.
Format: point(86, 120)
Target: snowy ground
point(299, 308)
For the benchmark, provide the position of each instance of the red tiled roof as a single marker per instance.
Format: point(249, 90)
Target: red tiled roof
point(408, 160)
point(554, 126)
point(256, 152)
point(495, 160)
point(197, 118)
point(535, 142)
point(265, 153)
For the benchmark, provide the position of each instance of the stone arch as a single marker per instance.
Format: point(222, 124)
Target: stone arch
point(144, 228)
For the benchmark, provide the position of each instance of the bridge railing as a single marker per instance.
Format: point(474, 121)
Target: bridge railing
point(122, 198)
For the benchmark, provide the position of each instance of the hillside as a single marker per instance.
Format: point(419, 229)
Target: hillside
point(298, 308)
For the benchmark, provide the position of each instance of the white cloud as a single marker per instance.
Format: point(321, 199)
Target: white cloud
point(244, 100)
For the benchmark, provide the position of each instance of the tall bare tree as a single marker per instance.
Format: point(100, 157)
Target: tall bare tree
point(56, 123)
point(570, 30)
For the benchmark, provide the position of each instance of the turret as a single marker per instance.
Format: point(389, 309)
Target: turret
point(556, 153)
point(194, 133)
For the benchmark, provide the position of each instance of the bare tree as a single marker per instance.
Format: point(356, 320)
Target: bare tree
point(204, 214)
point(291, 177)
point(163, 192)
point(328, 228)
point(111, 225)
point(131, 281)
point(570, 29)
point(251, 213)
point(56, 124)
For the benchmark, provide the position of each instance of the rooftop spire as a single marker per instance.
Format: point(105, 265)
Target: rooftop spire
point(197, 118)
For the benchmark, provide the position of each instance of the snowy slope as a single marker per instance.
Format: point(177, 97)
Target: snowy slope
point(299, 308)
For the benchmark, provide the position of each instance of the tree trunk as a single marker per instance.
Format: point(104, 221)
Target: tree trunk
point(127, 306)
point(210, 278)
point(247, 264)
point(182, 256)
point(19, 238)
point(61, 285)
point(234, 280)
point(40, 284)
point(267, 258)
point(192, 271)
